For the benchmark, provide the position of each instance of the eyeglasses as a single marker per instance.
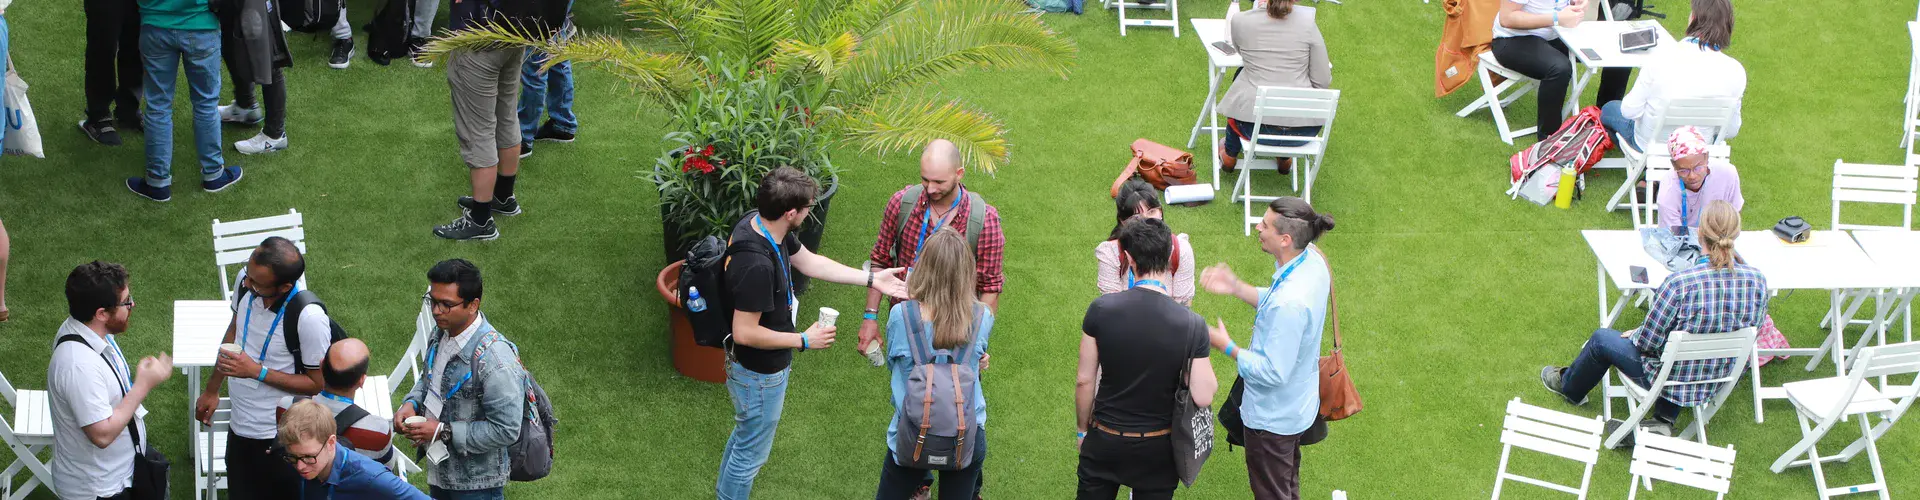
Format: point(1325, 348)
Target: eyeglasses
point(128, 304)
point(301, 459)
point(447, 306)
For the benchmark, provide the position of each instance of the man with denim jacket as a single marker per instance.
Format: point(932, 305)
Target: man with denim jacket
point(472, 395)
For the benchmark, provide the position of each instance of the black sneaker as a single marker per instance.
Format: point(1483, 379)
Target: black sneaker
point(342, 53)
point(101, 131)
point(509, 206)
point(140, 187)
point(130, 123)
point(547, 132)
point(464, 228)
point(526, 150)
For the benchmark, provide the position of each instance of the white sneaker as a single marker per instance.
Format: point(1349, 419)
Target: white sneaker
point(245, 116)
point(260, 143)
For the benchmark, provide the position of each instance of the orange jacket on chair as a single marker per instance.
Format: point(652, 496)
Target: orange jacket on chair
point(1468, 32)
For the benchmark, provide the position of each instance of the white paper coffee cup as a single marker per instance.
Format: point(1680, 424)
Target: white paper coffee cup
point(233, 348)
point(415, 420)
point(828, 316)
point(873, 354)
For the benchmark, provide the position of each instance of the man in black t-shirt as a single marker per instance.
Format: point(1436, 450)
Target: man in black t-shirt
point(1136, 342)
point(760, 282)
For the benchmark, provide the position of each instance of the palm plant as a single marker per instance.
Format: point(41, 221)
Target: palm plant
point(866, 65)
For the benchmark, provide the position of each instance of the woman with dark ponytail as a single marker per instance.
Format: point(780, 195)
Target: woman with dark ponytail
point(1138, 199)
point(1280, 366)
point(1719, 294)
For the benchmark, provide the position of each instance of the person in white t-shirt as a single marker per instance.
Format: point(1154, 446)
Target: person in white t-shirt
point(1524, 41)
point(1694, 69)
point(265, 370)
point(96, 407)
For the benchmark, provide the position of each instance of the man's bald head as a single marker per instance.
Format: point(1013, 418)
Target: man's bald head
point(941, 156)
point(346, 366)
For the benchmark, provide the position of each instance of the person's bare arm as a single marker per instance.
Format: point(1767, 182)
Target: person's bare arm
point(1085, 383)
point(748, 332)
point(822, 268)
point(152, 371)
point(992, 300)
point(1202, 382)
point(1514, 16)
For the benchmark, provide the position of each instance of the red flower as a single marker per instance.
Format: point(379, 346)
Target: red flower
point(708, 151)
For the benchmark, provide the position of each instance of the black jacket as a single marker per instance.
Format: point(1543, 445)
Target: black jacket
point(251, 40)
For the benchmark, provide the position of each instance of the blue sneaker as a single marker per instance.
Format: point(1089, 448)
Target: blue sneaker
point(140, 187)
point(228, 176)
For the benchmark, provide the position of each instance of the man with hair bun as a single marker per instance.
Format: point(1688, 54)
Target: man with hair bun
point(1718, 294)
point(1280, 367)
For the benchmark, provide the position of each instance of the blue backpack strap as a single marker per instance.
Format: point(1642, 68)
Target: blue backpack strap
point(912, 318)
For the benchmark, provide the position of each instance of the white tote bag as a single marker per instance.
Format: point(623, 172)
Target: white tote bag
point(23, 133)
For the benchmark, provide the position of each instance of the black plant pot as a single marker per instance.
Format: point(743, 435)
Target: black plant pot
point(816, 226)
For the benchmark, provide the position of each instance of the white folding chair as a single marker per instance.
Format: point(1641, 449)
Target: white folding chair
point(1911, 122)
point(1679, 461)
point(377, 394)
point(1711, 115)
point(1554, 433)
point(1496, 98)
point(1821, 404)
point(28, 434)
point(1856, 183)
point(1171, 6)
point(1284, 102)
point(1682, 347)
point(233, 243)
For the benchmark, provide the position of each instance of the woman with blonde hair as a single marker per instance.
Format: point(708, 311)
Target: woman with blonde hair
point(1719, 294)
point(944, 303)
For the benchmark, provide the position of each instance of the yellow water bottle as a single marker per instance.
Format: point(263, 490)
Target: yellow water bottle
point(1564, 197)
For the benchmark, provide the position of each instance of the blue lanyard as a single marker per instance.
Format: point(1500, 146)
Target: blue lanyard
point(779, 255)
point(123, 364)
point(336, 397)
point(1696, 41)
point(1683, 203)
point(1141, 283)
point(1275, 287)
point(926, 218)
point(433, 351)
point(246, 327)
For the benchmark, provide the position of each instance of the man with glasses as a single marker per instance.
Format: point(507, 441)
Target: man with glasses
point(765, 249)
point(472, 397)
point(265, 370)
point(308, 435)
point(1702, 181)
point(97, 420)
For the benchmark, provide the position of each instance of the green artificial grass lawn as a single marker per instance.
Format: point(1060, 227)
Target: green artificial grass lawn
point(1453, 296)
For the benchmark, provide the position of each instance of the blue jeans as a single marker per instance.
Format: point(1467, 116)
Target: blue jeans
point(757, 401)
point(552, 91)
point(486, 494)
point(1608, 349)
point(1619, 124)
point(164, 50)
point(10, 121)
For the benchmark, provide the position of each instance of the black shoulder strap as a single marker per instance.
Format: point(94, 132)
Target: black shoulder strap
point(346, 418)
point(133, 426)
point(291, 326)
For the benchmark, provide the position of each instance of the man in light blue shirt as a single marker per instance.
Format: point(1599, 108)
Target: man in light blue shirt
point(1280, 367)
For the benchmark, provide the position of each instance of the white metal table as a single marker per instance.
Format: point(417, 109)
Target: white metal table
point(198, 328)
point(1602, 38)
point(1894, 255)
point(1209, 31)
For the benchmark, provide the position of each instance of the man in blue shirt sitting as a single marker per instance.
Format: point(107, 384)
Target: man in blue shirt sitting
point(307, 433)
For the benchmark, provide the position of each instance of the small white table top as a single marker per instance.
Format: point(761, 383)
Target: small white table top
point(1215, 30)
point(1894, 252)
point(1828, 260)
point(198, 327)
point(1603, 38)
point(1619, 250)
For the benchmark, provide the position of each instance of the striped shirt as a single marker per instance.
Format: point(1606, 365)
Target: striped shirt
point(1700, 299)
point(371, 436)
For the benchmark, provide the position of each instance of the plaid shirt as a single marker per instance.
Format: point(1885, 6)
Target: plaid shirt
point(906, 240)
point(1700, 299)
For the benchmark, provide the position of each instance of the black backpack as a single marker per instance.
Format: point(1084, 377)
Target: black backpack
point(309, 16)
point(387, 34)
point(291, 324)
point(706, 270)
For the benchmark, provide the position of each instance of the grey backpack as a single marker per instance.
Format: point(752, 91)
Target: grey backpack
point(531, 456)
point(936, 430)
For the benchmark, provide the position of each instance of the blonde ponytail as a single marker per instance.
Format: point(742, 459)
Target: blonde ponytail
point(1719, 225)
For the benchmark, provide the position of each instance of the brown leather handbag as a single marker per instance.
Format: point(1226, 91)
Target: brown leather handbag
point(1338, 398)
point(1159, 164)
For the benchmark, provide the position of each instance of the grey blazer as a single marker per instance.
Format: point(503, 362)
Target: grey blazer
point(1277, 53)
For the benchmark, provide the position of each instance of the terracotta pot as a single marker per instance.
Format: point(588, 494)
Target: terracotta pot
point(707, 364)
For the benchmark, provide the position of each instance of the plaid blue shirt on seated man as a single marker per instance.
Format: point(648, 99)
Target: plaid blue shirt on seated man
point(1703, 300)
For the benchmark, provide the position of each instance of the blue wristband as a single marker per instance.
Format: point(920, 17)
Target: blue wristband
point(1080, 434)
point(803, 342)
point(870, 317)
point(263, 374)
point(1229, 349)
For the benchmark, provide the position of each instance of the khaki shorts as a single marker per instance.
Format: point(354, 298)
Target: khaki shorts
point(486, 103)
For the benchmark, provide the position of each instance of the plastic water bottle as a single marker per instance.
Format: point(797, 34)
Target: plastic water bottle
point(695, 302)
